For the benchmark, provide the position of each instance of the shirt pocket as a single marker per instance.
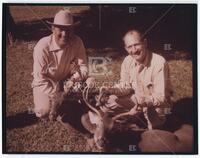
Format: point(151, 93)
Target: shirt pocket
point(131, 76)
point(148, 85)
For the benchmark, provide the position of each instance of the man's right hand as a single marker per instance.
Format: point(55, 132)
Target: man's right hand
point(138, 101)
point(67, 86)
point(134, 110)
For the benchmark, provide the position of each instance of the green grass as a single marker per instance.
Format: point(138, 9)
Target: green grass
point(181, 78)
point(52, 136)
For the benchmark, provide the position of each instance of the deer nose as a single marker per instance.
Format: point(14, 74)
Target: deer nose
point(101, 143)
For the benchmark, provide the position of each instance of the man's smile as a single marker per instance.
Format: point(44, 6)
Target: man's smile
point(136, 53)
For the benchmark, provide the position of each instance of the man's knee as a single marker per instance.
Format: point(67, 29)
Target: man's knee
point(42, 112)
point(41, 103)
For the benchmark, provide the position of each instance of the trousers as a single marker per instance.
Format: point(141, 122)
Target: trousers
point(42, 103)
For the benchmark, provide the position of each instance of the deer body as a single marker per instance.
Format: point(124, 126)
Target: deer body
point(164, 141)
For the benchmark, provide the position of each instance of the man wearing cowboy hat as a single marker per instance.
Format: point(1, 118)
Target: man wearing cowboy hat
point(54, 58)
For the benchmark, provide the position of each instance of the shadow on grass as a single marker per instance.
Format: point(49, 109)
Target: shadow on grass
point(20, 120)
point(72, 112)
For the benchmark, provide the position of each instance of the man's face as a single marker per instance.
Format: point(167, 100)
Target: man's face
point(62, 35)
point(135, 47)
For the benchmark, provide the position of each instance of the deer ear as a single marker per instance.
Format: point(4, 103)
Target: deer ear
point(94, 118)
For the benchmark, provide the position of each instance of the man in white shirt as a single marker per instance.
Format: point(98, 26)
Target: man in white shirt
point(144, 82)
point(55, 58)
point(148, 75)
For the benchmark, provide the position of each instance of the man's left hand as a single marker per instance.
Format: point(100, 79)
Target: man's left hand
point(136, 109)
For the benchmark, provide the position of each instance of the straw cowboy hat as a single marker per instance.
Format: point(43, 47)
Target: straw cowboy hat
point(63, 18)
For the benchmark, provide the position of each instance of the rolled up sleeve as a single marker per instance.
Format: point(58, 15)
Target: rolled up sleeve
point(124, 87)
point(125, 79)
point(161, 86)
point(82, 59)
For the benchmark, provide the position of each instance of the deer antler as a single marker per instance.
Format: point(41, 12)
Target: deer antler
point(120, 115)
point(133, 111)
point(88, 104)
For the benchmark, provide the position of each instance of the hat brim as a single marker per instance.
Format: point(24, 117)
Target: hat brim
point(66, 25)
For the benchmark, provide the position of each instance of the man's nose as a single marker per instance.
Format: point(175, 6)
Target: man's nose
point(64, 33)
point(133, 49)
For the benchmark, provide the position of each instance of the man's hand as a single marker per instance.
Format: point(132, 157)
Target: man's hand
point(134, 110)
point(109, 104)
point(134, 99)
point(67, 86)
point(139, 101)
point(90, 82)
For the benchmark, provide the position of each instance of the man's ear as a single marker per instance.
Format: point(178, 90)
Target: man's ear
point(52, 28)
point(126, 49)
point(124, 45)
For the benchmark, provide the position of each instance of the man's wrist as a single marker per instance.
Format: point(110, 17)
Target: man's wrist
point(149, 101)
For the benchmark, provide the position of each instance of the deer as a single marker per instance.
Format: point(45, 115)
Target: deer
point(102, 121)
point(152, 140)
point(73, 83)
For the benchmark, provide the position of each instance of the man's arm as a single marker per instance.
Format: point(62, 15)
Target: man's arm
point(160, 88)
point(124, 87)
point(40, 66)
point(82, 59)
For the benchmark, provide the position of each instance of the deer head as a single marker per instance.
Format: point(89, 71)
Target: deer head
point(103, 122)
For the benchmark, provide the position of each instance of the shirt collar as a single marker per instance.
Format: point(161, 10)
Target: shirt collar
point(53, 46)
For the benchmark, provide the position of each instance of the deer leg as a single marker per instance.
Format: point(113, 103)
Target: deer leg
point(149, 125)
